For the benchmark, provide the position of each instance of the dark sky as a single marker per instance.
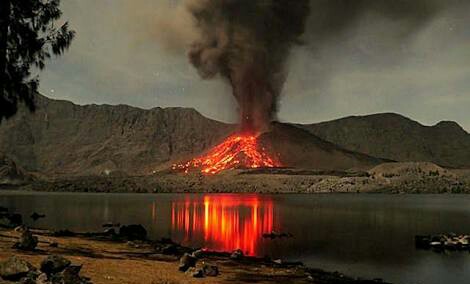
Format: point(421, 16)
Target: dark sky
point(410, 57)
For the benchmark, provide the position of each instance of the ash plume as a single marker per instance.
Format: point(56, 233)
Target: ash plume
point(248, 42)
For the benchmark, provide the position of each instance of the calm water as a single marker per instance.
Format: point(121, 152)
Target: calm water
point(361, 235)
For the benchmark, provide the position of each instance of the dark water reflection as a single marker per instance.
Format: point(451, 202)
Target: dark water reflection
point(362, 235)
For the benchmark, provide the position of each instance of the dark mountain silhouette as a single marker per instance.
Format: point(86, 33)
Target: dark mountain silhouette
point(398, 138)
point(300, 149)
point(61, 138)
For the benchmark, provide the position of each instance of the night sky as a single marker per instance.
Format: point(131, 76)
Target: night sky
point(413, 60)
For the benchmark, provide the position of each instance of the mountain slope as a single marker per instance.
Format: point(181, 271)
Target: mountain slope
point(11, 174)
point(395, 137)
point(300, 149)
point(64, 138)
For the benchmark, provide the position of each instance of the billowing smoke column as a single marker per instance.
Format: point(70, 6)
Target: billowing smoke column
point(247, 42)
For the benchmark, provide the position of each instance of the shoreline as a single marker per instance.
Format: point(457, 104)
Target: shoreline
point(26, 191)
point(240, 181)
point(105, 258)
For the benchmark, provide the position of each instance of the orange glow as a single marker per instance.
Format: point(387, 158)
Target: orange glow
point(225, 223)
point(237, 151)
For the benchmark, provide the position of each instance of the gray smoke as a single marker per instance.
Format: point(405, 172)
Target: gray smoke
point(248, 42)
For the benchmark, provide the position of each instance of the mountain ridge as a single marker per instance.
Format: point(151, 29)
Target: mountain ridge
point(394, 136)
point(63, 138)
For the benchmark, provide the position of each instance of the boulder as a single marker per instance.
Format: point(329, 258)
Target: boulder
point(169, 249)
point(237, 254)
point(27, 241)
point(198, 253)
point(14, 268)
point(110, 231)
point(198, 273)
point(133, 232)
point(54, 264)
point(210, 270)
point(187, 261)
point(71, 274)
point(42, 279)
point(30, 278)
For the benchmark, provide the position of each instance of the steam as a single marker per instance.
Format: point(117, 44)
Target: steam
point(247, 43)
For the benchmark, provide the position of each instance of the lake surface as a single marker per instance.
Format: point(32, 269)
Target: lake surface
point(369, 236)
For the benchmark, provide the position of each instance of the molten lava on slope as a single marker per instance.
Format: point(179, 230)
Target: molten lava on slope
point(237, 151)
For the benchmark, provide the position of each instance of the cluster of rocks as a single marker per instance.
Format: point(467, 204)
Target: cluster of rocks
point(444, 242)
point(54, 269)
point(189, 265)
point(27, 240)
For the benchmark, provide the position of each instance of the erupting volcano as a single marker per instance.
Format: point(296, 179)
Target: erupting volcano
point(246, 43)
point(237, 151)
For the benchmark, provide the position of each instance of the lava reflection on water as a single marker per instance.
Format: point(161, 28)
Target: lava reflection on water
point(225, 222)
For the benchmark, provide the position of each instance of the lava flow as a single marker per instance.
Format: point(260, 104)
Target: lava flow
point(237, 151)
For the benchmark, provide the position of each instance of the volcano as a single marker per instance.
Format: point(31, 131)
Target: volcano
point(237, 151)
point(285, 145)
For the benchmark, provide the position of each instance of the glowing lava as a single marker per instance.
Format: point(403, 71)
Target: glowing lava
point(237, 151)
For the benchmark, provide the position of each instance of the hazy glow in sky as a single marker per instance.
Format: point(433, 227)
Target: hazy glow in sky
point(117, 59)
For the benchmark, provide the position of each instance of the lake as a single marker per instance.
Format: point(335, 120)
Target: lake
point(369, 236)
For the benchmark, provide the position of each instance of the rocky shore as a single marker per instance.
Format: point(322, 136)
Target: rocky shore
point(124, 254)
point(98, 258)
point(443, 242)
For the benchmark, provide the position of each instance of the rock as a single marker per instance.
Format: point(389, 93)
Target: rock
point(111, 225)
point(187, 261)
point(27, 242)
point(14, 268)
point(237, 254)
point(36, 216)
point(42, 279)
point(198, 273)
point(30, 278)
point(133, 232)
point(198, 253)
point(110, 231)
point(210, 270)
point(54, 264)
point(442, 242)
point(133, 244)
point(169, 249)
point(27, 280)
point(21, 229)
point(54, 245)
point(278, 261)
point(71, 274)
